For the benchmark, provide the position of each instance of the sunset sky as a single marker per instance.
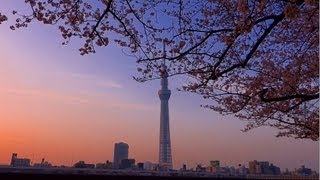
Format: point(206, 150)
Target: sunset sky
point(59, 105)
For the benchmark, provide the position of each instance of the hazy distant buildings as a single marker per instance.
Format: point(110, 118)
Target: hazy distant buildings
point(263, 167)
point(215, 164)
point(140, 166)
point(127, 163)
point(184, 167)
point(82, 164)
point(275, 170)
point(106, 165)
point(43, 164)
point(200, 168)
point(252, 167)
point(19, 162)
point(242, 170)
point(303, 171)
point(148, 165)
point(121, 151)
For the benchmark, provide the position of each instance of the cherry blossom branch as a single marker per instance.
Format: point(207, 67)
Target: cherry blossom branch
point(100, 18)
point(305, 97)
point(139, 19)
point(255, 47)
point(128, 32)
point(209, 34)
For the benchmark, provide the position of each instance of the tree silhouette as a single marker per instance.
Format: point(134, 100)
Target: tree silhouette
point(256, 59)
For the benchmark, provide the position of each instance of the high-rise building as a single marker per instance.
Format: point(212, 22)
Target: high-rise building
point(121, 151)
point(165, 157)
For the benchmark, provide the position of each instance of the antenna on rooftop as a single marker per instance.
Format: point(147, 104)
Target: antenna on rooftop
point(32, 158)
point(71, 161)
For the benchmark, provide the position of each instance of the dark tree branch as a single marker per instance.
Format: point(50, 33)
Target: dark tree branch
point(128, 32)
point(273, 17)
point(101, 17)
point(255, 47)
point(138, 18)
point(210, 33)
point(305, 97)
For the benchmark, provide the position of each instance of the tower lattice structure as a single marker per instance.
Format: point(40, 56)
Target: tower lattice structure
point(165, 157)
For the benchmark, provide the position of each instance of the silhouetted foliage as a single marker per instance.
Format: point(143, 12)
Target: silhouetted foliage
point(255, 59)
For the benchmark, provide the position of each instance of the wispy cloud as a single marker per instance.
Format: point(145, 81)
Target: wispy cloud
point(45, 95)
point(134, 106)
point(93, 80)
point(109, 84)
point(104, 100)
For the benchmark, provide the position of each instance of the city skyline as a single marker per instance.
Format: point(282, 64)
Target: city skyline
point(121, 147)
point(257, 169)
point(64, 107)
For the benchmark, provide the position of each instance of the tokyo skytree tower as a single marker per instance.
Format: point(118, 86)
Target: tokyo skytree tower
point(165, 157)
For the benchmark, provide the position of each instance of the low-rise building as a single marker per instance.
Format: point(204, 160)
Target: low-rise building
point(82, 164)
point(19, 162)
point(43, 164)
point(263, 167)
point(127, 163)
point(304, 171)
point(106, 165)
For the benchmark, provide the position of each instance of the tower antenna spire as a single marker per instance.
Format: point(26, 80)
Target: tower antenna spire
point(164, 55)
point(163, 69)
point(164, 52)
